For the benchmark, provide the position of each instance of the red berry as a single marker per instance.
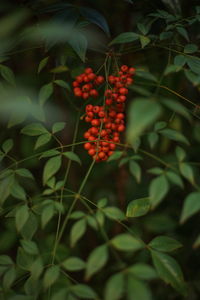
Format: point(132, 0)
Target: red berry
point(129, 81)
point(90, 114)
point(79, 79)
point(101, 114)
point(86, 87)
point(108, 101)
point(123, 91)
point(89, 107)
point(103, 133)
point(87, 146)
point(108, 93)
point(86, 79)
point(86, 135)
point(75, 84)
point(99, 79)
point(120, 116)
point(94, 130)
point(92, 152)
point(101, 154)
point(121, 128)
point(88, 70)
point(111, 79)
point(131, 70)
point(91, 76)
point(88, 119)
point(96, 109)
point(85, 95)
point(91, 138)
point(112, 146)
point(124, 68)
point(94, 93)
point(95, 122)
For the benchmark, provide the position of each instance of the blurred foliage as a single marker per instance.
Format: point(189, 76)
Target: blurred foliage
point(122, 229)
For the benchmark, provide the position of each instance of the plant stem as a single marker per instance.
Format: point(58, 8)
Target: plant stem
point(64, 183)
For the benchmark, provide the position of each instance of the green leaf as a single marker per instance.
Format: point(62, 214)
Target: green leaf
point(49, 153)
point(79, 44)
point(156, 171)
point(115, 287)
point(196, 244)
point(144, 29)
point(18, 191)
point(187, 171)
point(191, 206)
point(42, 140)
point(194, 64)
point(95, 17)
point(142, 271)
point(31, 227)
point(9, 278)
point(59, 69)
point(5, 188)
point(36, 268)
point(142, 114)
point(58, 126)
point(73, 264)
point(144, 74)
point(77, 231)
point(96, 261)
point(169, 270)
point(72, 156)
point(144, 40)
point(153, 138)
point(42, 64)
point(5, 260)
point(34, 129)
point(7, 74)
point(21, 216)
point(135, 170)
point(125, 37)
point(176, 107)
point(47, 214)
point(158, 190)
point(115, 156)
point(171, 69)
point(113, 212)
point(175, 178)
point(62, 83)
point(192, 77)
point(137, 289)
point(179, 60)
point(45, 93)
point(7, 145)
point(190, 48)
point(51, 275)
point(24, 260)
point(30, 247)
point(51, 167)
point(182, 31)
point(174, 135)
point(138, 208)
point(180, 154)
point(164, 244)
point(24, 173)
point(126, 242)
point(83, 291)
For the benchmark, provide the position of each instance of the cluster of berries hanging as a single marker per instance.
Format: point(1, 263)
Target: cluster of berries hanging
point(107, 121)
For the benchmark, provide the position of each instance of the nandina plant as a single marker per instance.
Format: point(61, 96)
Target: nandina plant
point(99, 178)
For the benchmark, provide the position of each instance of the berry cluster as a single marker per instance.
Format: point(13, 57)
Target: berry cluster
point(107, 121)
point(85, 83)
